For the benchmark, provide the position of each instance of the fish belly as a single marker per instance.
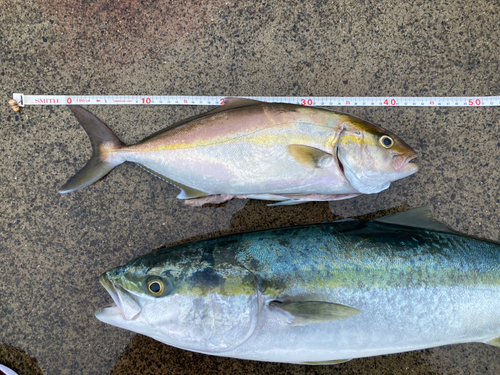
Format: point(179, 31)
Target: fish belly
point(392, 320)
point(243, 169)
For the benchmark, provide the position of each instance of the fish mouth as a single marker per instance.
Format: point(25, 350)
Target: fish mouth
point(125, 304)
point(403, 164)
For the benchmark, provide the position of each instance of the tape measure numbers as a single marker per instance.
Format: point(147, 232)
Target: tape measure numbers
point(22, 100)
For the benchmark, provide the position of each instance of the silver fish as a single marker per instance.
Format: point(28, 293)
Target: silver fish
point(4, 370)
point(317, 294)
point(249, 149)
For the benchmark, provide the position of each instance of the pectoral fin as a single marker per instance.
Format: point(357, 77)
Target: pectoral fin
point(309, 157)
point(309, 312)
point(186, 191)
point(334, 362)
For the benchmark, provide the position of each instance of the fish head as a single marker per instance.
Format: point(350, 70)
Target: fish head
point(192, 306)
point(372, 157)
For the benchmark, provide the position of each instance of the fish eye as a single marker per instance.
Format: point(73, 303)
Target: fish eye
point(386, 141)
point(156, 287)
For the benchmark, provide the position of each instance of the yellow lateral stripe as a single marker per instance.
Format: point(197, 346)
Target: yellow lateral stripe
point(259, 140)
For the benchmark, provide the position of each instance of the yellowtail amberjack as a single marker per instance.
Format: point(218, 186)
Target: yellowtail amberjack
point(249, 149)
point(317, 294)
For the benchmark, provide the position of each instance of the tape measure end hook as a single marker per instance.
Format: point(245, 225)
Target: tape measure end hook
point(17, 102)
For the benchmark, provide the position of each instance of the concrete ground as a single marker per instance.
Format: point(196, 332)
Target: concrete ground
point(53, 247)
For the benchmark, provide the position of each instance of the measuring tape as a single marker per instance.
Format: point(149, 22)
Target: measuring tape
point(21, 100)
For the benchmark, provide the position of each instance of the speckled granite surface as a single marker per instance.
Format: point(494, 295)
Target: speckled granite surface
point(53, 247)
point(16, 359)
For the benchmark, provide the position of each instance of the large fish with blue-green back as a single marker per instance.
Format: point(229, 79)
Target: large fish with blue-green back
point(317, 294)
point(249, 149)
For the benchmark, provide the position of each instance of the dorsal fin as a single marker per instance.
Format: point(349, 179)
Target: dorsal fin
point(420, 217)
point(232, 102)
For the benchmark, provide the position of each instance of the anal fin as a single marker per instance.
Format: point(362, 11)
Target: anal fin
point(291, 199)
point(289, 202)
point(334, 362)
point(186, 191)
point(310, 312)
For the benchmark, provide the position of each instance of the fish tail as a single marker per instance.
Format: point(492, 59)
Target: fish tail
point(104, 158)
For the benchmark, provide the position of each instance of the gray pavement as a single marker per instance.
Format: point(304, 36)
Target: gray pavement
point(53, 247)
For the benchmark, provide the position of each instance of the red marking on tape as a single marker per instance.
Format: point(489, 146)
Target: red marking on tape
point(46, 101)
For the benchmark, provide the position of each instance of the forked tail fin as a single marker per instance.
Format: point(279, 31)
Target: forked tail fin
point(104, 144)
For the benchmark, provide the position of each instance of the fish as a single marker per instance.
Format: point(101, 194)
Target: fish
point(4, 370)
point(249, 149)
point(317, 294)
